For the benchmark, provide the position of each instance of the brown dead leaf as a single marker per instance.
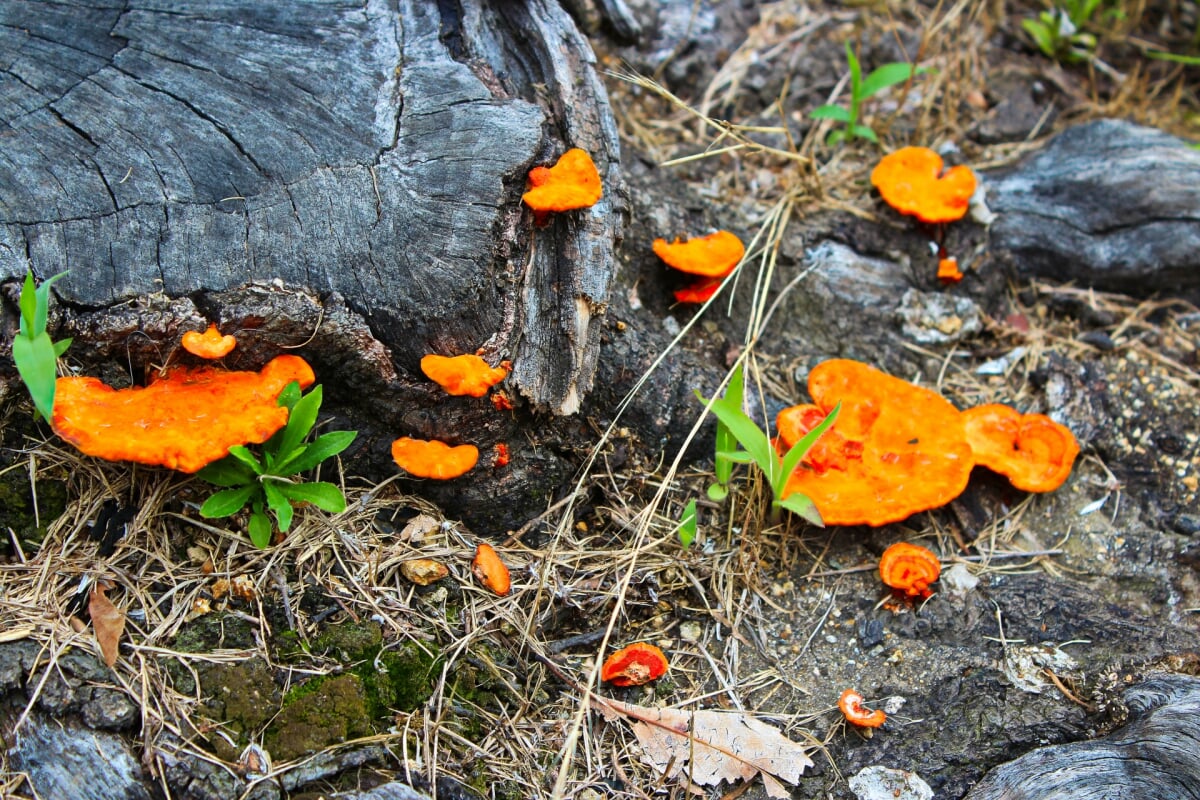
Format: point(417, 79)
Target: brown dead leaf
point(707, 747)
point(108, 623)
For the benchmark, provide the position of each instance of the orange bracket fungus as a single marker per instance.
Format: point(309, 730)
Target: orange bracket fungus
point(911, 181)
point(909, 569)
point(895, 449)
point(433, 459)
point(467, 375)
point(1033, 451)
point(489, 570)
point(210, 344)
point(634, 665)
point(851, 705)
point(573, 182)
point(712, 257)
point(183, 419)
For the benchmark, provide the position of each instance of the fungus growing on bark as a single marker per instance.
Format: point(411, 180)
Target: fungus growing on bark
point(909, 569)
point(911, 181)
point(433, 459)
point(183, 419)
point(895, 449)
point(634, 665)
point(489, 570)
point(851, 705)
point(573, 182)
point(210, 344)
point(1033, 451)
point(712, 257)
point(948, 271)
point(465, 375)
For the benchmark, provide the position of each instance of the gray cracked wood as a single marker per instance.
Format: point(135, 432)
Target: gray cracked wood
point(376, 150)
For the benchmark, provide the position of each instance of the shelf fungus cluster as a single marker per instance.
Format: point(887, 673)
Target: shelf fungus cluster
point(897, 449)
point(712, 258)
point(573, 182)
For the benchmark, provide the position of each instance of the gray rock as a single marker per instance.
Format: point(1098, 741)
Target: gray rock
point(66, 760)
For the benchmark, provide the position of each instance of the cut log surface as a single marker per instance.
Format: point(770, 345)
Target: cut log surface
point(1156, 756)
point(375, 150)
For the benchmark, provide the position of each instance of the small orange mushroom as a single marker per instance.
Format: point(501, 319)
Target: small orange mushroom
point(573, 182)
point(895, 449)
point(1032, 450)
point(489, 570)
point(909, 569)
point(911, 181)
point(851, 705)
point(712, 257)
point(634, 665)
point(948, 271)
point(433, 459)
point(183, 419)
point(465, 375)
point(210, 344)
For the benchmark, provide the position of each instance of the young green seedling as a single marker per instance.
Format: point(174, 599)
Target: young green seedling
point(1057, 32)
point(35, 355)
point(266, 483)
point(860, 90)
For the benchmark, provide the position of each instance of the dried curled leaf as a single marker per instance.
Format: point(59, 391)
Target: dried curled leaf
point(108, 622)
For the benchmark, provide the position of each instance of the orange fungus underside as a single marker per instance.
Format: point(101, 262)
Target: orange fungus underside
point(894, 450)
point(467, 375)
point(634, 665)
point(1033, 451)
point(184, 419)
point(571, 183)
point(210, 344)
point(713, 256)
point(433, 459)
point(909, 569)
point(852, 708)
point(911, 181)
point(698, 292)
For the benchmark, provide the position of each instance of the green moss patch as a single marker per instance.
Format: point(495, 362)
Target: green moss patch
point(317, 716)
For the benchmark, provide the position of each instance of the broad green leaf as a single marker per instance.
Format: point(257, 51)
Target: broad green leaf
point(227, 472)
point(289, 396)
point(324, 496)
point(864, 132)
point(734, 457)
point(246, 457)
point(798, 503)
point(885, 76)
point(278, 504)
point(837, 113)
point(794, 456)
point(835, 138)
point(61, 346)
point(227, 501)
point(321, 448)
point(301, 419)
point(748, 434)
point(1043, 36)
point(735, 392)
point(716, 492)
point(36, 364)
point(260, 528)
point(28, 303)
point(42, 306)
point(687, 524)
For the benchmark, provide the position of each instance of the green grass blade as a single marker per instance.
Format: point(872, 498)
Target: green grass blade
point(801, 448)
point(28, 304)
point(279, 505)
point(885, 76)
point(830, 111)
point(687, 524)
point(748, 434)
point(42, 304)
point(300, 422)
point(321, 448)
point(798, 503)
point(36, 364)
point(735, 393)
point(864, 132)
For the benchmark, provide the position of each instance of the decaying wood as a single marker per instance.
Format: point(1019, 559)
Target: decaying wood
point(1156, 755)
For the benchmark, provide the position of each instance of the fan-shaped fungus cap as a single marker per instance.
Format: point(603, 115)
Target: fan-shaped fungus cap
point(948, 271)
point(1032, 450)
point(210, 344)
point(909, 569)
point(713, 256)
point(634, 665)
point(183, 419)
point(894, 450)
point(573, 182)
point(489, 570)
point(698, 292)
point(462, 375)
point(433, 459)
point(851, 705)
point(910, 180)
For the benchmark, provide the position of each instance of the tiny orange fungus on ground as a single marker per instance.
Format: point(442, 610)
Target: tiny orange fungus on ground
point(210, 344)
point(489, 570)
point(465, 375)
point(183, 419)
point(501, 401)
point(634, 665)
point(1033, 451)
point(501, 459)
point(573, 182)
point(909, 569)
point(433, 459)
point(851, 705)
point(911, 181)
point(948, 271)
